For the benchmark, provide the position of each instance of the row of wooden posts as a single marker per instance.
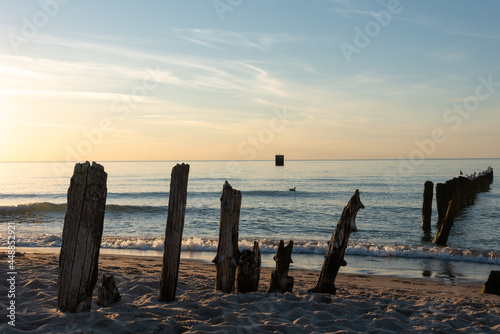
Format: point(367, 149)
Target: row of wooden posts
point(235, 271)
point(451, 197)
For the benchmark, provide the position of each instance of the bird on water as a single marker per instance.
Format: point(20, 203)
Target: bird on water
point(293, 189)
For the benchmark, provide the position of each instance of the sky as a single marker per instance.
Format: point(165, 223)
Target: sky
point(245, 80)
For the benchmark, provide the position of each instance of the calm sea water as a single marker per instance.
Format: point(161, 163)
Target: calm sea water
point(389, 241)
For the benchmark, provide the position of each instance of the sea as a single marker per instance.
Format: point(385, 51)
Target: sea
point(389, 240)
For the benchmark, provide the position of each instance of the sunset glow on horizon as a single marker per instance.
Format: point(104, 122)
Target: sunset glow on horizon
point(245, 80)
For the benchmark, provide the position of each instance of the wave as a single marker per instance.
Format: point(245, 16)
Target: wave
point(148, 194)
point(279, 193)
point(216, 194)
point(258, 193)
point(32, 207)
point(32, 195)
point(425, 252)
point(135, 208)
point(312, 247)
point(212, 194)
point(163, 194)
point(46, 207)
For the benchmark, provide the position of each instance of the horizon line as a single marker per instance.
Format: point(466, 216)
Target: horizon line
point(229, 160)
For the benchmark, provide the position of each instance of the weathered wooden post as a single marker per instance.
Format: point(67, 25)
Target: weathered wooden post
point(227, 256)
point(427, 206)
point(334, 258)
point(173, 232)
point(442, 200)
point(81, 238)
point(248, 270)
point(442, 236)
point(280, 281)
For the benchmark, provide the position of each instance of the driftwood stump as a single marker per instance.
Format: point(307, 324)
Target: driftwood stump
point(334, 258)
point(492, 285)
point(107, 292)
point(227, 256)
point(81, 238)
point(427, 206)
point(173, 232)
point(248, 270)
point(280, 281)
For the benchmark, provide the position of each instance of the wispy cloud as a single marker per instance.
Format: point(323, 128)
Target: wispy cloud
point(349, 9)
point(360, 120)
point(53, 95)
point(449, 26)
point(182, 71)
point(48, 125)
point(193, 71)
point(447, 54)
point(114, 67)
point(21, 74)
point(112, 38)
point(370, 77)
point(422, 20)
point(485, 35)
point(217, 38)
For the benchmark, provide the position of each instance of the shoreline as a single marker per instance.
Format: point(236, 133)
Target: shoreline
point(363, 302)
point(438, 270)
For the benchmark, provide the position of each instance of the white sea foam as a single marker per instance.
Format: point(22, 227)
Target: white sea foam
point(315, 247)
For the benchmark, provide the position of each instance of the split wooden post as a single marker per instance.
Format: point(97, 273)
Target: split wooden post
point(248, 270)
point(427, 206)
point(227, 256)
point(442, 236)
point(81, 238)
point(173, 232)
point(280, 281)
point(334, 258)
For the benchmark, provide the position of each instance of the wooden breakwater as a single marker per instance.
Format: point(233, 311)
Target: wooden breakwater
point(235, 271)
point(462, 189)
point(456, 194)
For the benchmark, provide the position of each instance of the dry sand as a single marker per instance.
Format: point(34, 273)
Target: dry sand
point(363, 304)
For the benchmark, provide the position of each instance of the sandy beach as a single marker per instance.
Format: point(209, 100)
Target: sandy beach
point(363, 304)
